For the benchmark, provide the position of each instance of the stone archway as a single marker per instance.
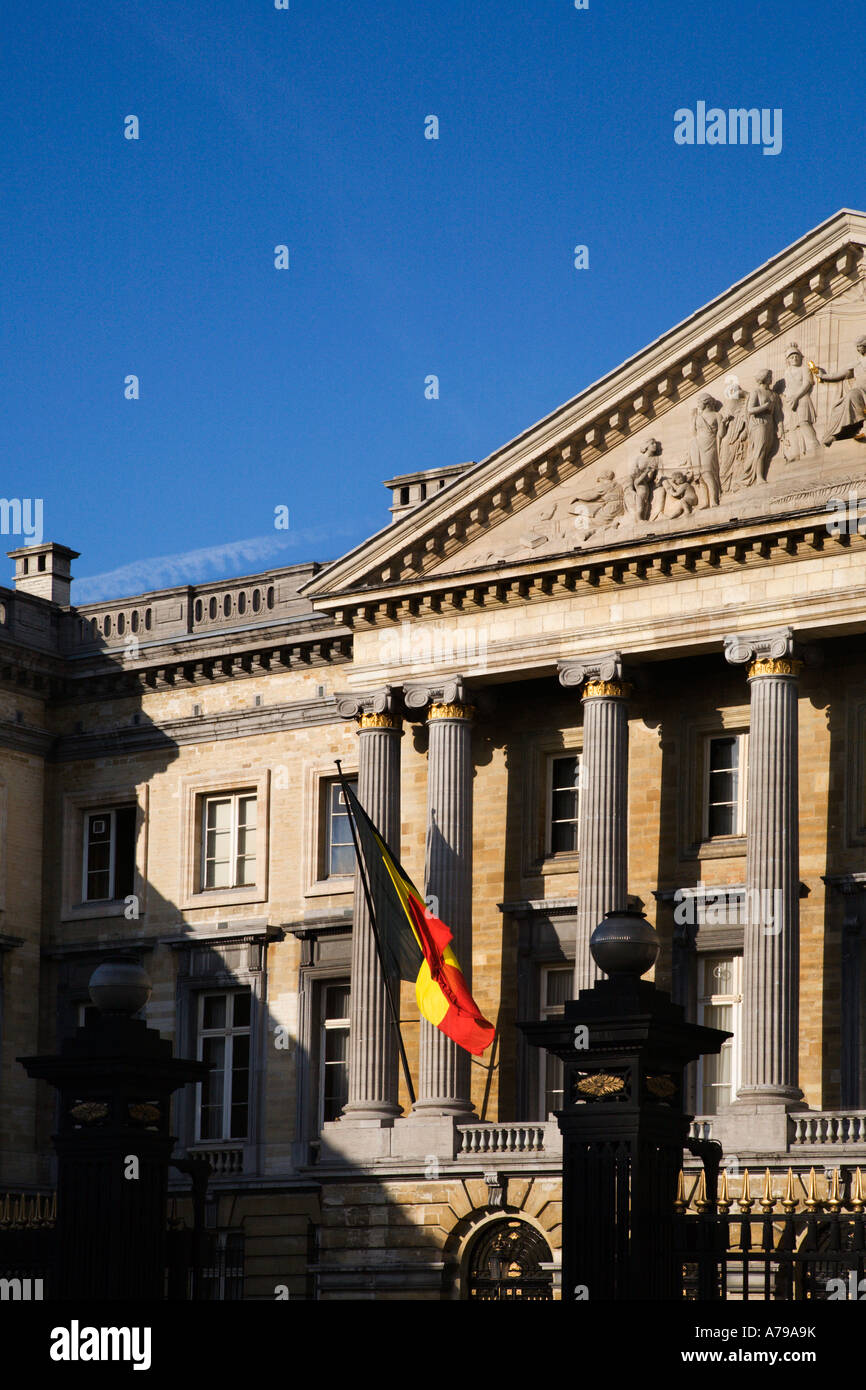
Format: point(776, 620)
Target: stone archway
point(505, 1262)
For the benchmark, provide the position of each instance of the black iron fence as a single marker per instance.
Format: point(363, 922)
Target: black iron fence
point(778, 1253)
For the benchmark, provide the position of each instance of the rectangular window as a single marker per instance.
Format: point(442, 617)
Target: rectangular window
point(223, 1266)
point(229, 841)
point(334, 1050)
point(109, 854)
point(339, 856)
point(719, 1006)
point(224, 1044)
point(725, 785)
point(557, 986)
point(562, 803)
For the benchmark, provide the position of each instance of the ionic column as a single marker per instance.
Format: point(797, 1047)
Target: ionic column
point(771, 945)
point(444, 1080)
point(602, 811)
point(372, 1045)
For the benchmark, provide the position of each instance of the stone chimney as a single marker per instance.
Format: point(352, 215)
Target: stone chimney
point(411, 489)
point(44, 571)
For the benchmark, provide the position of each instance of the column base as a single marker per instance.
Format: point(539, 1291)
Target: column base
point(756, 1123)
point(443, 1107)
point(789, 1096)
point(383, 1112)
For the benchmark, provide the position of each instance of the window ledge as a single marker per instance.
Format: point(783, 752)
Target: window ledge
point(78, 911)
point(557, 864)
point(339, 885)
point(722, 847)
point(223, 897)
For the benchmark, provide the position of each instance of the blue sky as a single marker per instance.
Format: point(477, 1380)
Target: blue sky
point(304, 388)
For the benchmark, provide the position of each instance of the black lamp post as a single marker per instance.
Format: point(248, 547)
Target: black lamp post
point(625, 1046)
point(115, 1078)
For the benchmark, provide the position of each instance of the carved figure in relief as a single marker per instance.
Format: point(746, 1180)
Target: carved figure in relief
point(848, 416)
point(764, 411)
point(676, 496)
point(603, 504)
point(733, 441)
point(638, 494)
point(704, 451)
point(799, 437)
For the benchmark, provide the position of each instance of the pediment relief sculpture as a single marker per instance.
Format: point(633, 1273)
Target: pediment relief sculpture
point(753, 446)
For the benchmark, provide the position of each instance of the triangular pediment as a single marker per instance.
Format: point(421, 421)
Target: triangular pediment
point(715, 422)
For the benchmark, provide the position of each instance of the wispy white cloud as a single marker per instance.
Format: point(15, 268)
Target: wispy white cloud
point(209, 562)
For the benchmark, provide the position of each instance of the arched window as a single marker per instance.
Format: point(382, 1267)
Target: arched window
point(505, 1262)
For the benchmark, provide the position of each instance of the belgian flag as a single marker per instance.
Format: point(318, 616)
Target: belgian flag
point(414, 944)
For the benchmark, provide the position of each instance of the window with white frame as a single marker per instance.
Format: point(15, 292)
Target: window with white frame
point(563, 780)
point(557, 986)
point(720, 999)
point(108, 870)
point(228, 849)
point(724, 786)
point(224, 1044)
point(333, 1049)
point(338, 857)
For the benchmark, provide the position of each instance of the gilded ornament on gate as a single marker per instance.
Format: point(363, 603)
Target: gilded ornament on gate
point(661, 1086)
point(87, 1112)
point(602, 1084)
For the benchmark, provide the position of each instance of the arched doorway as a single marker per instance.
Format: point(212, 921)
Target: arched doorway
point(505, 1262)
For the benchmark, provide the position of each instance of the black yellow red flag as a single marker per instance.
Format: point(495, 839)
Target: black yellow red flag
point(415, 944)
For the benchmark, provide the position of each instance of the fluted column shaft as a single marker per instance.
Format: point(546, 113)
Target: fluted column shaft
point(372, 1045)
point(444, 1083)
point(602, 817)
point(771, 947)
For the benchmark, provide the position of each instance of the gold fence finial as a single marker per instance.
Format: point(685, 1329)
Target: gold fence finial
point(812, 1202)
point(724, 1202)
point(768, 1200)
point(858, 1199)
point(789, 1200)
point(701, 1200)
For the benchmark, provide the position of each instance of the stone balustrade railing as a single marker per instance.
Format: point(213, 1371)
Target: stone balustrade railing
point(502, 1139)
point(829, 1127)
point(224, 1161)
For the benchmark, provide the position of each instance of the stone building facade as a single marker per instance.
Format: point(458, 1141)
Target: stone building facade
point(621, 660)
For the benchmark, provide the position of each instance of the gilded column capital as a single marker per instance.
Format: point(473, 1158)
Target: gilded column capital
point(775, 666)
point(601, 676)
point(381, 709)
point(372, 720)
point(452, 690)
point(608, 690)
point(751, 648)
point(451, 709)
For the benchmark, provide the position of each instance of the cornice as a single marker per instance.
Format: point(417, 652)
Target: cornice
point(769, 302)
point(114, 679)
point(226, 724)
point(23, 738)
point(730, 547)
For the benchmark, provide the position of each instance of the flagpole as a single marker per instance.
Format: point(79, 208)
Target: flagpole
point(362, 870)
